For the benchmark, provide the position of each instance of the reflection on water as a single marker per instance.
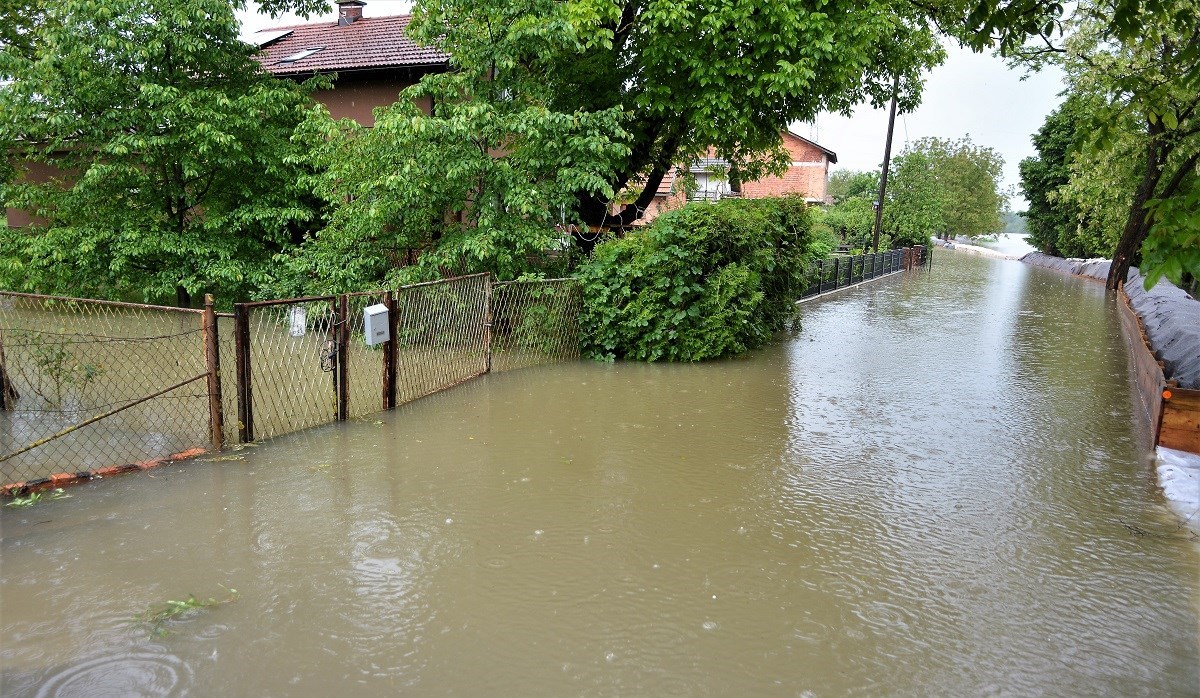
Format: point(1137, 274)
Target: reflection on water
point(933, 488)
point(1015, 244)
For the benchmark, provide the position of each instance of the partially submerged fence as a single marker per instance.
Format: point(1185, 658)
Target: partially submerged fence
point(840, 271)
point(533, 321)
point(92, 387)
point(88, 384)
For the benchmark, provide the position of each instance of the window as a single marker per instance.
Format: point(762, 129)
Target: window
point(300, 55)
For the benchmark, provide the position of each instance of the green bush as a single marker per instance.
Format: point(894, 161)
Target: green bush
point(853, 221)
point(704, 282)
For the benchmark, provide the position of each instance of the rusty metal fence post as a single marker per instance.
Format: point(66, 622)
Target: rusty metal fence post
point(212, 363)
point(342, 337)
point(8, 392)
point(245, 402)
point(390, 351)
point(487, 324)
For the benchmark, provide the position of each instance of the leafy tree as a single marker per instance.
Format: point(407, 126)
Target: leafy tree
point(587, 104)
point(685, 77)
point(1015, 223)
point(178, 171)
point(1097, 191)
point(853, 221)
point(18, 18)
point(946, 187)
point(1155, 83)
point(479, 184)
point(851, 217)
point(846, 184)
point(1052, 220)
point(1141, 137)
point(970, 177)
point(915, 203)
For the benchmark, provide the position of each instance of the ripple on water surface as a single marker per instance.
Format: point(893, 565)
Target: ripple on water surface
point(138, 673)
point(933, 487)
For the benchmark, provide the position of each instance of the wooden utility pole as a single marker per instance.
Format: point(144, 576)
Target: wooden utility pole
point(887, 161)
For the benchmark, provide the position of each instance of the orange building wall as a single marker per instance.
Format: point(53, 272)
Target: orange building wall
point(356, 99)
point(33, 172)
point(809, 178)
point(661, 204)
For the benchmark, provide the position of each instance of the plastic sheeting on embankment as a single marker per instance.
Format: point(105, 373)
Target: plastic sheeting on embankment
point(1091, 268)
point(1172, 321)
point(1171, 317)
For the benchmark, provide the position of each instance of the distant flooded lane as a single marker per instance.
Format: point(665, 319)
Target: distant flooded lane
point(934, 487)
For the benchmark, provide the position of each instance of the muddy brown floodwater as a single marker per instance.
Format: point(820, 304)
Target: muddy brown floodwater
point(934, 488)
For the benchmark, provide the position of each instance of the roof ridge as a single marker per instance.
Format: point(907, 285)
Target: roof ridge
point(329, 24)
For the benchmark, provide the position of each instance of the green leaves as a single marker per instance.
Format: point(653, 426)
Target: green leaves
point(479, 184)
point(704, 282)
point(1055, 222)
point(1126, 183)
point(944, 186)
point(683, 76)
point(176, 168)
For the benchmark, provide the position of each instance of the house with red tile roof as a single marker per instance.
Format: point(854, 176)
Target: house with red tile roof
point(372, 57)
point(807, 175)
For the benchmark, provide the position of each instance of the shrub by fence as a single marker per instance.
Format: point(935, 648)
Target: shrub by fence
point(711, 280)
point(89, 386)
point(701, 282)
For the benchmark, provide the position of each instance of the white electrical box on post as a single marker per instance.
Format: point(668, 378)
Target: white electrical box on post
point(375, 324)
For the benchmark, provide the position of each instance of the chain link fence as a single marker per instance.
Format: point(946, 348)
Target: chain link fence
point(90, 384)
point(535, 322)
point(86, 385)
point(302, 362)
point(441, 335)
point(285, 364)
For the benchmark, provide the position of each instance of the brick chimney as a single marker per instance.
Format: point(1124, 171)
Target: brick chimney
point(349, 11)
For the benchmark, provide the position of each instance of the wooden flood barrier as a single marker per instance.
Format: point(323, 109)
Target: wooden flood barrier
point(1179, 423)
point(1173, 413)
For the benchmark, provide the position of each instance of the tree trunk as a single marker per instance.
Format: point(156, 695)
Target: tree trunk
point(735, 178)
point(1136, 225)
point(183, 299)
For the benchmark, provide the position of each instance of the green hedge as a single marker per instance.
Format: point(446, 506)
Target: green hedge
point(703, 282)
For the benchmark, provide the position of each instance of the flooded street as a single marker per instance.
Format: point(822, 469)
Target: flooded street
point(935, 487)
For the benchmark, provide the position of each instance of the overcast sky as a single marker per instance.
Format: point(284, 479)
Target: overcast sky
point(971, 94)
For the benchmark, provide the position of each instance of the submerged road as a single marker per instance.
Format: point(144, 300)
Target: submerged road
point(934, 488)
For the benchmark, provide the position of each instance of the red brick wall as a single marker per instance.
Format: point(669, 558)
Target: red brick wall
point(662, 204)
point(809, 179)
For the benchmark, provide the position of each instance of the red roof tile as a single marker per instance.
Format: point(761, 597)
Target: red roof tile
point(370, 42)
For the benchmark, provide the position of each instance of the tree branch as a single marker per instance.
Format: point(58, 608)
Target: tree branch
point(1181, 173)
